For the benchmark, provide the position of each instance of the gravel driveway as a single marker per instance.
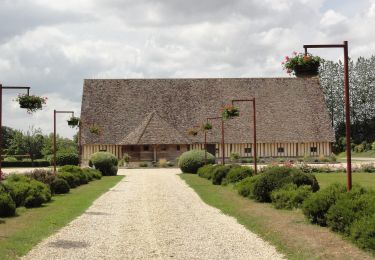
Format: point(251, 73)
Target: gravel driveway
point(153, 214)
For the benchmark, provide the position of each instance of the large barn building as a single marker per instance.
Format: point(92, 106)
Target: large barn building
point(149, 119)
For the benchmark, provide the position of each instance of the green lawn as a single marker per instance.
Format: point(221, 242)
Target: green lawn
point(364, 179)
point(19, 234)
point(368, 154)
point(289, 231)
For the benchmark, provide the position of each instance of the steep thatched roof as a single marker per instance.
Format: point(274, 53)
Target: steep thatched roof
point(161, 111)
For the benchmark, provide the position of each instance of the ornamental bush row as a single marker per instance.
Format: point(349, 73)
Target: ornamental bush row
point(35, 188)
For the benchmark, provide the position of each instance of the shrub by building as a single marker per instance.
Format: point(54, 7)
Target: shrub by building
point(105, 162)
point(191, 161)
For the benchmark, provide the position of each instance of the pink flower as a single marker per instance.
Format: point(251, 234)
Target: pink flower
point(283, 63)
point(295, 53)
point(286, 58)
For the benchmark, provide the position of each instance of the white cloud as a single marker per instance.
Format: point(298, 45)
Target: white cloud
point(60, 43)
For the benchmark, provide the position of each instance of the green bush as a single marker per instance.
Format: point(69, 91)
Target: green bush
point(206, 171)
point(10, 159)
point(349, 207)
point(362, 232)
point(237, 174)
point(373, 146)
point(290, 196)
point(28, 163)
point(369, 167)
point(274, 177)
point(191, 161)
point(60, 186)
point(7, 205)
point(105, 162)
point(234, 157)
point(94, 174)
point(246, 187)
point(71, 179)
point(42, 175)
point(27, 192)
point(67, 159)
point(219, 173)
point(143, 164)
point(317, 205)
point(76, 171)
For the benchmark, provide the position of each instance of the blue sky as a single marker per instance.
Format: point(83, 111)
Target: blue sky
point(53, 45)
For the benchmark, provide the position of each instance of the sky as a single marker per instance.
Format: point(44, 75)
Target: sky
point(52, 46)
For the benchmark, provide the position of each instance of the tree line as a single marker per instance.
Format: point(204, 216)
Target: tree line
point(33, 144)
point(362, 99)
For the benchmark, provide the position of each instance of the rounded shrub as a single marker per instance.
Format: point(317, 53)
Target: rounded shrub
point(72, 180)
point(42, 175)
point(7, 205)
point(105, 162)
point(60, 186)
point(94, 174)
point(300, 178)
point(67, 159)
point(362, 232)
point(219, 173)
point(206, 171)
point(76, 171)
point(191, 161)
point(239, 173)
point(246, 186)
point(290, 196)
point(27, 192)
point(317, 205)
point(351, 206)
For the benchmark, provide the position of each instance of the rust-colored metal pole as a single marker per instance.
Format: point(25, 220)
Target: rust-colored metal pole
point(222, 140)
point(205, 147)
point(54, 140)
point(54, 134)
point(347, 118)
point(345, 46)
point(255, 138)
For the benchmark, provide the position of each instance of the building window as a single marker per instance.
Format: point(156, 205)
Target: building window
point(231, 148)
point(280, 149)
point(132, 148)
point(146, 148)
point(178, 148)
point(313, 149)
point(102, 148)
point(247, 150)
point(163, 148)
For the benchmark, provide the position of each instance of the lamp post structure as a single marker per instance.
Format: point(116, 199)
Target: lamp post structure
point(222, 137)
point(1, 117)
point(252, 100)
point(55, 112)
point(345, 47)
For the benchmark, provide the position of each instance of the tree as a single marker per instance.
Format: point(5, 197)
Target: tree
point(63, 145)
point(7, 134)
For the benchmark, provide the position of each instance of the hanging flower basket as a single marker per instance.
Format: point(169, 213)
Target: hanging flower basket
point(230, 112)
point(31, 102)
point(302, 65)
point(73, 121)
point(94, 129)
point(193, 132)
point(206, 126)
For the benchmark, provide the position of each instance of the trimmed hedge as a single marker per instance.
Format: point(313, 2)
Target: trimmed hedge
point(67, 159)
point(7, 205)
point(60, 186)
point(76, 171)
point(25, 164)
point(290, 196)
point(105, 162)
point(246, 187)
point(71, 179)
point(362, 232)
point(94, 174)
point(191, 161)
point(206, 171)
point(42, 175)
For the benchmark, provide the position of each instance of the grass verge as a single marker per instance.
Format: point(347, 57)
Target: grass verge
point(19, 234)
point(288, 231)
point(364, 179)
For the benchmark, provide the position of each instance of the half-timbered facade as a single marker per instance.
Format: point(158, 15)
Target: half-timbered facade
point(149, 119)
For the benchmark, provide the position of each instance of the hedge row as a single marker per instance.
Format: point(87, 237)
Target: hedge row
point(35, 188)
point(25, 164)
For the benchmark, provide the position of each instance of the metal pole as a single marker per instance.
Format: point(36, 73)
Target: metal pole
point(347, 117)
point(222, 140)
point(255, 138)
point(54, 140)
point(205, 147)
point(1, 130)
point(79, 144)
